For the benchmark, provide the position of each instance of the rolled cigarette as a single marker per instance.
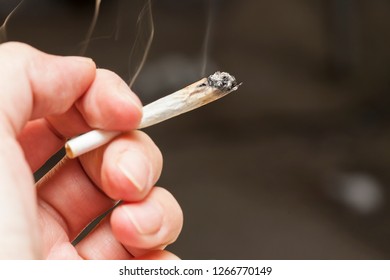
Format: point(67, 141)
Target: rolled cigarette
point(189, 98)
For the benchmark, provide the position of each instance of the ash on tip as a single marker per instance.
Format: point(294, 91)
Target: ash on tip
point(222, 81)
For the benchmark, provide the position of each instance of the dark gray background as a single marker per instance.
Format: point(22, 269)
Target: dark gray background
point(294, 165)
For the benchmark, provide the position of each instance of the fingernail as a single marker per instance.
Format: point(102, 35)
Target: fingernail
point(147, 217)
point(128, 95)
point(135, 167)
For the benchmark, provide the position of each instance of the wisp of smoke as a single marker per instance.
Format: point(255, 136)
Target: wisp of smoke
point(3, 27)
point(91, 27)
point(212, 5)
point(142, 43)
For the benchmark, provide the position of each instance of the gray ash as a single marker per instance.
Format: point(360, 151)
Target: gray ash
point(222, 81)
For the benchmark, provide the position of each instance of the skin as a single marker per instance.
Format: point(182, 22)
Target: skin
point(44, 100)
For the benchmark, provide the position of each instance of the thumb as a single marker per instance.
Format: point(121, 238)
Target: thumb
point(32, 85)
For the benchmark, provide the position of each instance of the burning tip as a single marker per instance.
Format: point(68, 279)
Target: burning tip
point(223, 81)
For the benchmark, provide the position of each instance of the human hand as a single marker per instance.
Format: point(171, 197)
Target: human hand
point(45, 99)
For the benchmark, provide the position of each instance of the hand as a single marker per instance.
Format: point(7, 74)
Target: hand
point(45, 99)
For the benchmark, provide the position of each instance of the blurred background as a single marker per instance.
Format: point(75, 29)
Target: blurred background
point(295, 164)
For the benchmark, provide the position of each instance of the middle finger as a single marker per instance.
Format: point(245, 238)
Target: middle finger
point(78, 193)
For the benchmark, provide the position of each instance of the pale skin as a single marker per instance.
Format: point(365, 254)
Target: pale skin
point(44, 100)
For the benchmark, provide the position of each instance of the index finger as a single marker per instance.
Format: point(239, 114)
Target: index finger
point(35, 84)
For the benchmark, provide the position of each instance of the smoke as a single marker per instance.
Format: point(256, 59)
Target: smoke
point(3, 27)
point(142, 43)
point(117, 34)
point(91, 27)
point(211, 13)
